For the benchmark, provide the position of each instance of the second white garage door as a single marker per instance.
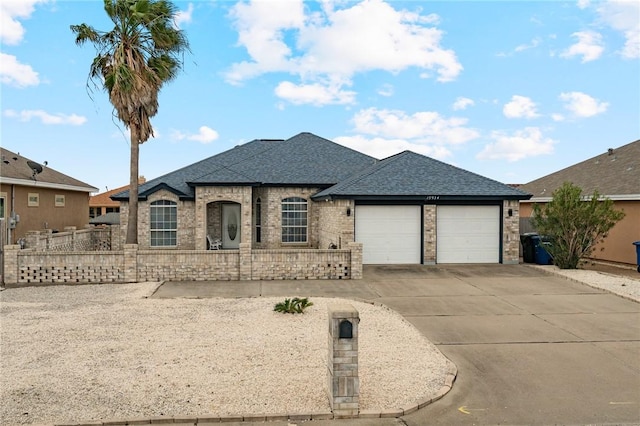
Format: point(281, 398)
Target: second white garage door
point(389, 234)
point(468, 234)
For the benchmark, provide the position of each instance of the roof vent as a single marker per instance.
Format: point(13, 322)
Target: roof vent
point(610, 151)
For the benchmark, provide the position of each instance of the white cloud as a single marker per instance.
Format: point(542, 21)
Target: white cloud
point(623, 16)
point(525, 143)
point(520, 107)
point(583, 105)
point(424, 127)
point(315, 94)
point(205, 135)
point(45, 117)
point(184, 16)
point(11, 30)
point(557, 117)
point(583, 4)
point(382, 148)
point(462, 103)
point(386, 90)
point(13, 73)
point(534, 43)
point(336, 43)
point(589, 46)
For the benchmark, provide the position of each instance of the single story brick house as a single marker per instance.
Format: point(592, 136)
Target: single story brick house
point(307, 192)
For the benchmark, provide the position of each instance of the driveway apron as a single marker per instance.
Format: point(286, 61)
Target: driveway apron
point(530, 348)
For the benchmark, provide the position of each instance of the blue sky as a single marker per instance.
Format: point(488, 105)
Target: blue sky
point(511, 90)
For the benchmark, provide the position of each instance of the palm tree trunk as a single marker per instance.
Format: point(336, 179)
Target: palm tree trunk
point(132, 222)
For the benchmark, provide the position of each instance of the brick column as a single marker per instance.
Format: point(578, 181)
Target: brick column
point(245, 261)
point(356, 260)
point(74, 237)
point(130, 263)
point(34, 241)
point(10, 273)
point(344, 385)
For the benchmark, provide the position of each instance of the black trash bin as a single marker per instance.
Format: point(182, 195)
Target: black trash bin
point(528, 247)
point(637, 244)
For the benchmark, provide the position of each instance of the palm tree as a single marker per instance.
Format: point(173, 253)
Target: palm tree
point(134, 59)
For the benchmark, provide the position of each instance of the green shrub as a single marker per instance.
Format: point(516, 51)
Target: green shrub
point(293, 306)
point(574, 223)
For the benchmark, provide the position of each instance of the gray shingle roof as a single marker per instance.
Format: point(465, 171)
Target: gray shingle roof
point(19, 169)
point(304, 159)
point(413, 176)
point(612, 173)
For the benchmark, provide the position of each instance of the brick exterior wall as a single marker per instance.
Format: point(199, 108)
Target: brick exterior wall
point(511, 232)
point(336, 227)
point(429, 212)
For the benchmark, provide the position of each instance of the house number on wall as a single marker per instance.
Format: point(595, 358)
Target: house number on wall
point(432, 197)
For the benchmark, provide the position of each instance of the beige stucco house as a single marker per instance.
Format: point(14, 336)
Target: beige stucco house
point(34, 197)
point(615, 174)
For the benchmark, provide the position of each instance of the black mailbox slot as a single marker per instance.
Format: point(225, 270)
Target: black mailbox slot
point(346, 329)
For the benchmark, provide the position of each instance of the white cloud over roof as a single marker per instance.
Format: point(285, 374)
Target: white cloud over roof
point(423, 126)
point(205, 135)
point(589, 45)
point(11, 30)
point(45, 117)
point(14, 73)
point(624, 16)
point(583, 105)
point(336, 43)
point(521, 144)
point(520, 107)
point(462, 103)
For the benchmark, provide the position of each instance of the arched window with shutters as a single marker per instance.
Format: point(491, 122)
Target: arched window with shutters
point(294, 220)
point(163, 223)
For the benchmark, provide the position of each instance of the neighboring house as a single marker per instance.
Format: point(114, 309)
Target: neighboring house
point(101, 204)
point(34, 197)
point(307, 192)
point(615, 174)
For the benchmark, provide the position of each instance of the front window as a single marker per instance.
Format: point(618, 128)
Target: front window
point(164, 223)
point(258, 220)
point(294, 220)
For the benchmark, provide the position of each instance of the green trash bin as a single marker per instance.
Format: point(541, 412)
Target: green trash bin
point(637, 244)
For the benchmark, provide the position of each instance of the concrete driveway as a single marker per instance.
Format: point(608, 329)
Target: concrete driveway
point(530, 348)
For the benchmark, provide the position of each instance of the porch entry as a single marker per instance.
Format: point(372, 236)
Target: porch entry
point(231, 226)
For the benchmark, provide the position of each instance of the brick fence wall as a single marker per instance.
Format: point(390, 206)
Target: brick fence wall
point(28, 266)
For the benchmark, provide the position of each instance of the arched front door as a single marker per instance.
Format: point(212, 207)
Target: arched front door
point(231, 225)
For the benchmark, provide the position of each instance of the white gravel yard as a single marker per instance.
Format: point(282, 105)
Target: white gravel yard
point(620, 285)
point(99, 352)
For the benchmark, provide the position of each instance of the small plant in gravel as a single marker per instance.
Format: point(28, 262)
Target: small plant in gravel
point(293, 306)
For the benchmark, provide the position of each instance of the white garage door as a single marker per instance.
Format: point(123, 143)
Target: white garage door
point(468, 234)
point(389, 234)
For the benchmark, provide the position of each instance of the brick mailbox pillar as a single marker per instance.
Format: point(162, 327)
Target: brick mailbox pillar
point(344, 385)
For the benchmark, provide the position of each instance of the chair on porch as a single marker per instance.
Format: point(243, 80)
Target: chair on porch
point(214, 244)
